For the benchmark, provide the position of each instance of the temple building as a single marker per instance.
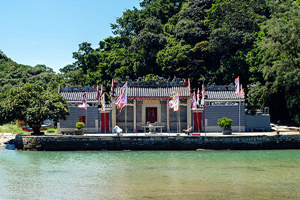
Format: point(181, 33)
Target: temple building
point(148, 103)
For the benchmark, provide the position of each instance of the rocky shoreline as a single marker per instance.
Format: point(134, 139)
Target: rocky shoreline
point(6, 137)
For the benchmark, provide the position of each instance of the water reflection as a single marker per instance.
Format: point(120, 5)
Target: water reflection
point(150, 175)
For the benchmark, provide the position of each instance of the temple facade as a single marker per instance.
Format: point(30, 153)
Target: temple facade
point(148, 103)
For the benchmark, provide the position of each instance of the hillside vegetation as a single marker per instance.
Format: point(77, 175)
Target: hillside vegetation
point(204, 40)
point(14, 74)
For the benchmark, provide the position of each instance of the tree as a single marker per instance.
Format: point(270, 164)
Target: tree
point(34, 105)
point(86, 57)
point(275, 62)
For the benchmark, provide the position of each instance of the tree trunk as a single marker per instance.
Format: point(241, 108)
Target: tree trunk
point(36, 130)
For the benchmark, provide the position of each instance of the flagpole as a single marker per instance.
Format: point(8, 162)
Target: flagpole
point(204, 118)
point(168, 118)
point(204, 108)
point(86, 119)
point(179, 118)
point(137, 109)
point(104, 112)
point(126, 119)
point(239, 117)
point(177, 121)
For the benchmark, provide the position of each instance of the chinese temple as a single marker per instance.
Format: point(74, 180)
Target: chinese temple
point(148, 102)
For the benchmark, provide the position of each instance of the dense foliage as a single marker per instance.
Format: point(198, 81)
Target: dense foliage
point(14, 74)
point(210, 40)
point(32, 104)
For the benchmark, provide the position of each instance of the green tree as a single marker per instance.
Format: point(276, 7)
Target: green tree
point(275, 63)
point(34, 105)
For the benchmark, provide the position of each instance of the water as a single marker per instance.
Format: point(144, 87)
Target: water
point(150, 175)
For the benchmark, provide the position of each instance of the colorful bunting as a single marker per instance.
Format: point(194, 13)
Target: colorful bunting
point(121, 100)
point(242, 91)
point(193, 101)
point(83, 103)
point(237, 85)
point(102, 101)
point(174, 102)
point(203, 95)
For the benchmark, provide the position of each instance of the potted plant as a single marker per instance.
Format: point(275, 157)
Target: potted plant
point(225, 123)
point(79, 128)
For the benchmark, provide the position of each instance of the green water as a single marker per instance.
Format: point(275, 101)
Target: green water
point(150, 175)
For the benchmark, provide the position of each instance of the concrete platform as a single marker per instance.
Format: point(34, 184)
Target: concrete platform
point(201, 134)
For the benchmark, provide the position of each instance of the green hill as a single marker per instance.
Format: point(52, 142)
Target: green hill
point(14, 74)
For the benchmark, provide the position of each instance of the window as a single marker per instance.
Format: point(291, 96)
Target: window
point(82, 119)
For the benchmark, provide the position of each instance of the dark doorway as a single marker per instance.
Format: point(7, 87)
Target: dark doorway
point(151, 114)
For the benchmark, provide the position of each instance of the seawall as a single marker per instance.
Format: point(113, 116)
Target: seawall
point(74, 143)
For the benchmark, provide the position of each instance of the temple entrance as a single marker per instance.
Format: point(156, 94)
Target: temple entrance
point(104, 122)
point(151, 114)
point(197, 121)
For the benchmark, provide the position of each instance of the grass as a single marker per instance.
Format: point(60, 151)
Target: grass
point(15, 129)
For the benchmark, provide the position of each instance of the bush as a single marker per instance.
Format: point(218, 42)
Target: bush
point(225, 123)
point(80, 125)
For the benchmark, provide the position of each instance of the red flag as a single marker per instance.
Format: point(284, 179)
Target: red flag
point(83, 103)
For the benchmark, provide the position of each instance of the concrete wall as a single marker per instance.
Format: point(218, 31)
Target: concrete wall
point(257, 123)
point(91, 115)
point(213, 113)
point(54, 143)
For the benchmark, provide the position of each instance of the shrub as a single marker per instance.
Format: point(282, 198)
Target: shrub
point(225, 123)
point(80, 125)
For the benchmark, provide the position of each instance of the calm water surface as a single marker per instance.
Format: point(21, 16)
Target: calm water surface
point(150, 175)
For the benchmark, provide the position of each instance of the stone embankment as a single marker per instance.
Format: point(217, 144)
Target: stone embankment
point(234, 142)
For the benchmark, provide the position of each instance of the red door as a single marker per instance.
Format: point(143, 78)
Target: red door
point(104, 122)
point(197, 121)
point(151, 114)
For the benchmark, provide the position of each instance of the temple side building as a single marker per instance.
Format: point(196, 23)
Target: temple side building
point(91, 117)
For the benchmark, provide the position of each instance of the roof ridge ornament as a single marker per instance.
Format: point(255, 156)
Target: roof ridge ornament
point(78, 89)
point(153, 81)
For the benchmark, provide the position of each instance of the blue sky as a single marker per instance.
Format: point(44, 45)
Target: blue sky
point(48, 31)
